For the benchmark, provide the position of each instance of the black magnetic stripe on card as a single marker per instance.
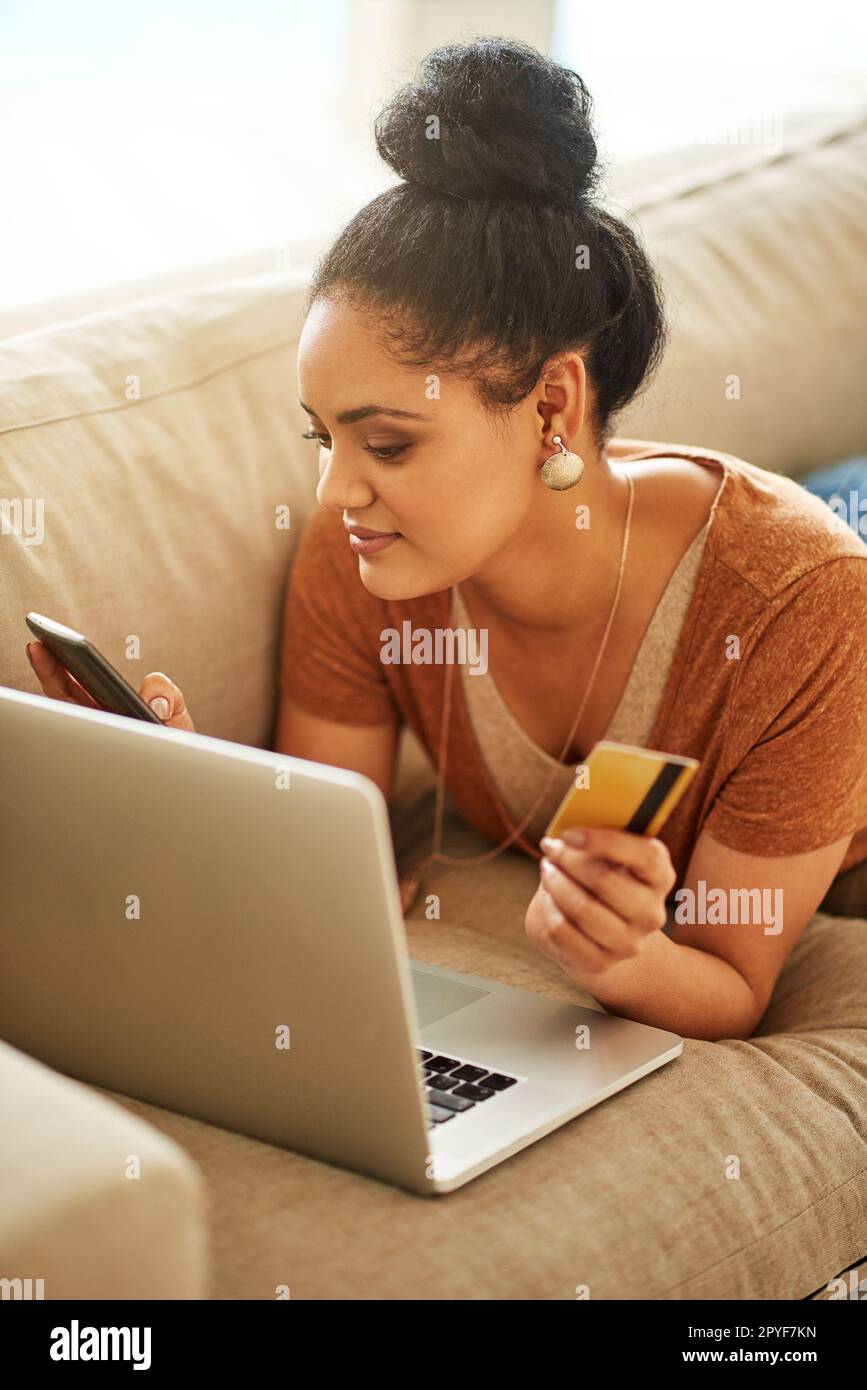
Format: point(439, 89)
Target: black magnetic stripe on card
point(653, 800)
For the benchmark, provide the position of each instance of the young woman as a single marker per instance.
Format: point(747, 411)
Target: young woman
point(469, 340)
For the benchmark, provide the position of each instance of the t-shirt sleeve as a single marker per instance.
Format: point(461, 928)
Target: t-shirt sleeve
point(329, 657)
point(797, 736)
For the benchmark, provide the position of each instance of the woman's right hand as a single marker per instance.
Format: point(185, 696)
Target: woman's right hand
point(57, 682)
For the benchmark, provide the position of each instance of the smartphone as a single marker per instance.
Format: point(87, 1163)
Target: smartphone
point(90, 668)
point(626, 787)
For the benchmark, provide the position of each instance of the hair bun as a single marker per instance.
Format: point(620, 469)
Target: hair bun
point(511, 123)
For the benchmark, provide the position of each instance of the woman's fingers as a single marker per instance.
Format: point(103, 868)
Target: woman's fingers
point(552, 933)
point(587, 914)
point(610, 883)
point(55, 680)
point(627, 891)
point(649, 859)
point(597, 904)
point(166, 700)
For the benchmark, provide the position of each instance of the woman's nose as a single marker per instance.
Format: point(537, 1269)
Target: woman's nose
point(342, 486)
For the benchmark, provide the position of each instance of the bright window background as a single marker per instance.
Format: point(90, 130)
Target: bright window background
point(676, 73)
point(142, 139)
point(137, 137)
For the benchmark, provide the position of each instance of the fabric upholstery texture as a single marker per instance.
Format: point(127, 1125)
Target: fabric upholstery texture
point(93, 1202)
point(164, 441)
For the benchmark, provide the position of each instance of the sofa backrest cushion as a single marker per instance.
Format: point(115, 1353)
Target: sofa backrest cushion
point(163, 444)
point(761, 255)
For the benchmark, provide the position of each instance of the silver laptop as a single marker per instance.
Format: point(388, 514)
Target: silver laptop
point(217, 929)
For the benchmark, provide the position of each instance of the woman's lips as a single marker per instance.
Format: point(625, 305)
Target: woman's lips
point(370, 545)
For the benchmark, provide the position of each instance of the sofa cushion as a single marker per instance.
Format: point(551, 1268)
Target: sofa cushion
point(75, 1212)
point(762, 263)
point(632, 1198)
point(161, 438)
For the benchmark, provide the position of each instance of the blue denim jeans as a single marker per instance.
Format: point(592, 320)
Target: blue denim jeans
point(844, 487)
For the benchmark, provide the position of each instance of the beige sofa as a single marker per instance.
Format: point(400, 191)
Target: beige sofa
point(161, 438)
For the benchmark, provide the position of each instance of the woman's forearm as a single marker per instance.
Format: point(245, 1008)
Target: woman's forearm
point(679, 988)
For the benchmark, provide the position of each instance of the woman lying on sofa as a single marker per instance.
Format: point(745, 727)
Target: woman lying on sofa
point(470, 338)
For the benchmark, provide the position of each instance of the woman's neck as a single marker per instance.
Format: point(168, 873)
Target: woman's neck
point(558, 572)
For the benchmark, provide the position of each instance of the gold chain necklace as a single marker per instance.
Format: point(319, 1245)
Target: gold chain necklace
point(410, 883)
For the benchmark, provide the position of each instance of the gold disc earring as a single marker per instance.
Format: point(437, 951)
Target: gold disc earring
point(562, 470)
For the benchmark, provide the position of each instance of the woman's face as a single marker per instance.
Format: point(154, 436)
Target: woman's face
point(452, 483)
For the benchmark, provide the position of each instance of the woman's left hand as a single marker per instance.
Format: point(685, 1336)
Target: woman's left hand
point(597, 904)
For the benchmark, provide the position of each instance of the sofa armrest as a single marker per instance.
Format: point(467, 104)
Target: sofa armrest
point(94, 1202)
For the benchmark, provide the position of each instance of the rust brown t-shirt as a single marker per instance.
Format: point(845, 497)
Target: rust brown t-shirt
point(777, 718)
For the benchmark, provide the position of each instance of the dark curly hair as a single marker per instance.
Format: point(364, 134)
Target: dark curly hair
point(472, 264)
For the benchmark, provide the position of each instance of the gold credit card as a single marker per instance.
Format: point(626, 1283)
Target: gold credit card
point(625, 787)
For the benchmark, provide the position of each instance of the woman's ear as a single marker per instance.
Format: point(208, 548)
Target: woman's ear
point(562, 396)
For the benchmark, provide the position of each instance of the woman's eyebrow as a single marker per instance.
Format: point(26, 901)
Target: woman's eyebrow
point(361, 412)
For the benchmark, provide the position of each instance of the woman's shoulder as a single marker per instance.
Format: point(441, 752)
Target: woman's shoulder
point(778, 535)
point(767, 530)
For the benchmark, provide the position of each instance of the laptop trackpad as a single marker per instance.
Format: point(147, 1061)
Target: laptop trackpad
point(436, 997)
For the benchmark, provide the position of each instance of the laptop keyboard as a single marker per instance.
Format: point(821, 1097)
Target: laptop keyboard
point(453, 1086)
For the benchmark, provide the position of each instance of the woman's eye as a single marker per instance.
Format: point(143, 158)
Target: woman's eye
point(320, 438)
point(385, 452)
